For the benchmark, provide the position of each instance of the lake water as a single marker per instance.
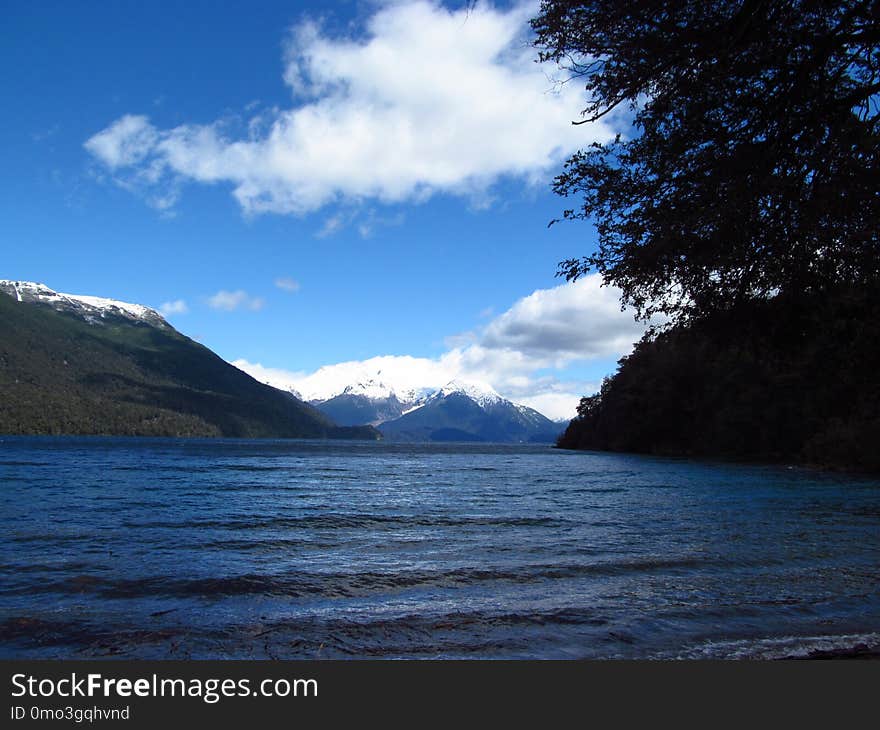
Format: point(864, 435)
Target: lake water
point(164, 548)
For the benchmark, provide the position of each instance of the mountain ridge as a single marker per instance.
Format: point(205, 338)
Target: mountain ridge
point(91, 308)
point(124, 369)
point(73, 364)
point(465, 412)
point(460, 410)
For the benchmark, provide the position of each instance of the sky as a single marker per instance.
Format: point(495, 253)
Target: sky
point(315, 191)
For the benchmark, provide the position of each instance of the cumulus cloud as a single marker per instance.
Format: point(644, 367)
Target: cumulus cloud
point(423, 100)
point(229, 301)
point(285, 283)
point(178, 306)
point(573, 321)
point(276, 377)
point(560, 404)
point(126, 142)
point(402, 372)
point(547, 330)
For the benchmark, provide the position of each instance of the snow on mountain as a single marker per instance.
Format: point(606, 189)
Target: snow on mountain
point(377, 390)
point(406, 378)
point(371, 391)
point(390, 383)
point(482, 394)
point(466, 411)
point(485, 397)
point(92, 309)
point(381, 388)
point(460, 410)
point(369, 402)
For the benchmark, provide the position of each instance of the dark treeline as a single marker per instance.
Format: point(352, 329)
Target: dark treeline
point(793, 380)
point(741, 205)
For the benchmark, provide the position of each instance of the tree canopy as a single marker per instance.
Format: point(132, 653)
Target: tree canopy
point(751, 168)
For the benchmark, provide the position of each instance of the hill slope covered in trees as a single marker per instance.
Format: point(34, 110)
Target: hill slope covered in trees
point(742, 204)
point(772, 383)
point(63, 374)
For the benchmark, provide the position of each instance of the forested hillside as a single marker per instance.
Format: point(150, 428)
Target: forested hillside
point(741, 205)
point(61, 374)
point(797, 385)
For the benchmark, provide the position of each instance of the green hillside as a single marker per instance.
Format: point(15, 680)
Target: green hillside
point(62, 375)
point(781, 380)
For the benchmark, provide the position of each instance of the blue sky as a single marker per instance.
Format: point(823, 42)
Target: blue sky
point(391, 159)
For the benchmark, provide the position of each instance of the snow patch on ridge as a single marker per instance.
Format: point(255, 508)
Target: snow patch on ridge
point(373, 389)
point(138, 311)
point(87, 306)
point(482, 394)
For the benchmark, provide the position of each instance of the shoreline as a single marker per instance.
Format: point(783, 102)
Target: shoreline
point(790, 463)
point(864, 652)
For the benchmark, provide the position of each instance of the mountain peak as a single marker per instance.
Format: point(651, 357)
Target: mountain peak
point(469, 411)
point(371, 388)
point(481, 393)
point(92, 309)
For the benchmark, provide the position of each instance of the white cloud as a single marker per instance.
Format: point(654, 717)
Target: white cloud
point(424, 100)
point(285, 283)
point(178, 306)
point(371, 222)
point(333, 224)
point(229, 301)
point(366, 221)
point(547, 330)
point(558, 405)
point(276, 377)
point(403, 372)
point(124, 143)
point(572, 321)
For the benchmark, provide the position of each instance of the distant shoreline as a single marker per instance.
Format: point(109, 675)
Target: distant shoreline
point(744, 461)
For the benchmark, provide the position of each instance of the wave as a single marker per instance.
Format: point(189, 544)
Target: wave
point(783, 647)
point(457, 633)
point(339, 520)
point(341, 584)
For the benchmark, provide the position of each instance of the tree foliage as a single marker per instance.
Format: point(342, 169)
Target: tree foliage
point(751, 169)
point(798, 385)
point(59, 374)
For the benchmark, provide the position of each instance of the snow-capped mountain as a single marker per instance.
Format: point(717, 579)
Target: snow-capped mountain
point(462, 411)
point(483, 395)
point(94, 310)
point(378, 390)
point(370, 389)
point(352, 409)
point(369, 402)
point(404, 409)
point(457, 411)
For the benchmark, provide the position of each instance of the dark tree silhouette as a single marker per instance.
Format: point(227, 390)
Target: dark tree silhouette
point(743, 202)
point(752, 166)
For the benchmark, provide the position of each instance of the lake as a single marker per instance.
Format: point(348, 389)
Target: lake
point(167, 548)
